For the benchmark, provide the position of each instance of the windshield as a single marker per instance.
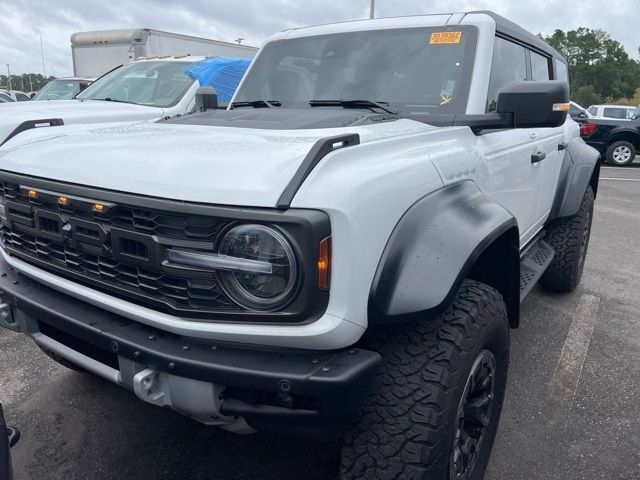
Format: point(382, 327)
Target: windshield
point(5, 98)
point(60, 90)
point(415, 71)
point(156, 84)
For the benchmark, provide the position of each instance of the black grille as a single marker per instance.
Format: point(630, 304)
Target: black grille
point(127, 267)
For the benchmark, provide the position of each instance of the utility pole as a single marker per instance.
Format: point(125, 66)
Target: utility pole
point(372, 9)
point(30, 84)
point(44, 70)
point(9, 77)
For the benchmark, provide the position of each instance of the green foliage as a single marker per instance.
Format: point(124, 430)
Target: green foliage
point(22, 82)
point(600, 69)
point(635, 100)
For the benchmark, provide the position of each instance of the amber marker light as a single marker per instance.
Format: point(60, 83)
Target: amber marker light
point(32, 194)
point(62, 200)
point(98, 207)
point(324, 264)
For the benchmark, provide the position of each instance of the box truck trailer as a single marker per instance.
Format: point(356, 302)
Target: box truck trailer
point(95, 53)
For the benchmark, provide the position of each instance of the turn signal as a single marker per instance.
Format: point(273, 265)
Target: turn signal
point(32, 194)
point(98, 207)
point(63, 200)
point(561, 107)
point(324, 264)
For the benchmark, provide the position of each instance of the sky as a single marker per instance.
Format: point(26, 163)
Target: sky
point(22, 22)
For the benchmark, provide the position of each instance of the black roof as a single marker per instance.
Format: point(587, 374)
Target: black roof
point(510, 29)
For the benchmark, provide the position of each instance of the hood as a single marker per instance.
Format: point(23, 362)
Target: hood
point(72, 112)
point(208, 164)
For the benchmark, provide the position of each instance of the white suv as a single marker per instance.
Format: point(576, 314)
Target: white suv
point(340, 254)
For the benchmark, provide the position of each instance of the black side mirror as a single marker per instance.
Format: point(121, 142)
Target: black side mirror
point(543, 104)
point(206, 99)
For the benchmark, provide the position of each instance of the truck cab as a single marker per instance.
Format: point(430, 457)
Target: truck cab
point(340, 254)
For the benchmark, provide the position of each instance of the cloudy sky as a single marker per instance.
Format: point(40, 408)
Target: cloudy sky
point(22, 22)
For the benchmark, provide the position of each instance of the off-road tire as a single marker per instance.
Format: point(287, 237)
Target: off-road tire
point(570, 240)
point(58, 359)
point(407, 428)
point(621, 144)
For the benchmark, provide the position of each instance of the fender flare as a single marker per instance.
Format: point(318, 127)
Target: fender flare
point(580, 168)
point(29, 124)
point(433, 248)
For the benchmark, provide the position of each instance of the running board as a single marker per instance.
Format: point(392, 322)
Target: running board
point(533, 264)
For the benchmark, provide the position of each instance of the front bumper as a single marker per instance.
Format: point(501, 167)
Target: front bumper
point(301, 392)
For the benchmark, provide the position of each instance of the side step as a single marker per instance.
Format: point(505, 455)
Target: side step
point(533, 264)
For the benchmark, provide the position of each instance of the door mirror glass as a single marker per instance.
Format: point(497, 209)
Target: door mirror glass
point(542, 104)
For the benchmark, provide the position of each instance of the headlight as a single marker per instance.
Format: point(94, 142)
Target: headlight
point(259, 244)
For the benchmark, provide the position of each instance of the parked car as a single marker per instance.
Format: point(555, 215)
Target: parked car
point(63, 88)
point(16, 95)
point(617, 140)
point(5, 98)
point(340, 254)
point(9, 436)
point(143, 90)
point(620, 112)
point(577, 112)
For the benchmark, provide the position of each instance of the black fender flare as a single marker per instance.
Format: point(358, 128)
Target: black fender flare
point(580, 168)
point(432, 249)
point(29, 124)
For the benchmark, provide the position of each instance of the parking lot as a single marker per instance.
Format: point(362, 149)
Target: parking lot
point(571, 412)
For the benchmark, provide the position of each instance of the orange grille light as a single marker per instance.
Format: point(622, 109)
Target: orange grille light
point(98, 207)
point(63, 200)
point(32, 194)
point(324, 264)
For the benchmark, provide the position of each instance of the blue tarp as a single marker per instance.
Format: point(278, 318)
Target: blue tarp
point(222, 73)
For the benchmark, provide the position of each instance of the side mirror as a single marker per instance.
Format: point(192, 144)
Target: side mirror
point(582, 115)
point(206, 99)
point(543, 104)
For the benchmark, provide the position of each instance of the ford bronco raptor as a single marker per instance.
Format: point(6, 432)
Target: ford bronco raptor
point(339, 254)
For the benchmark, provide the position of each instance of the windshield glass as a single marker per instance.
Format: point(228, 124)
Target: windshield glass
point(417, 71)
point(156, 84)
point(59, 90)
point(5, 98)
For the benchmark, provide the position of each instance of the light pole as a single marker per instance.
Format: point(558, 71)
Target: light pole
point(372, 9)
point(9, 77)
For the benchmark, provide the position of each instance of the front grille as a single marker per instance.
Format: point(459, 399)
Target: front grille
point(119, 252)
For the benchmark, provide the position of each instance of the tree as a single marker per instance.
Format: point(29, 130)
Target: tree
point(600, 69)
point(21, 82)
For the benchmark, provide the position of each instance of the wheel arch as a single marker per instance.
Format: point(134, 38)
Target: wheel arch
point(455, 233)
point(580, 168)
point(624, 134)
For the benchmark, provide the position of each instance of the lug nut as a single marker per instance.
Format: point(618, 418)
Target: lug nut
point(16, 282)
point(114, 346)
point(325, 369)
point(171, 365)
point(186, 347)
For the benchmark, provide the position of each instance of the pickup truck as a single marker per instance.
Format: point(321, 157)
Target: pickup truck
point(143, 90)
point(617, 140)
point(340, 254)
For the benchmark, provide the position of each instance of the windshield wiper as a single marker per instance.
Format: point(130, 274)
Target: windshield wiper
point(384, 106)
point(257, 104)
point(109, 99)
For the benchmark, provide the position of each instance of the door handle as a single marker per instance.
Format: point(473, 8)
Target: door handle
point(538, 157)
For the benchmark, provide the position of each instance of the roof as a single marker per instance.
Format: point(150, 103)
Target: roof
point(503, 26)
point(513, 30)
point(139, 36)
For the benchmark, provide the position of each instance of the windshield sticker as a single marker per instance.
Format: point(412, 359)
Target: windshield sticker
point(443, 38)
point(445, 99)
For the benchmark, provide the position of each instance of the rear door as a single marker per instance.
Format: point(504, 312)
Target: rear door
point(514, 180)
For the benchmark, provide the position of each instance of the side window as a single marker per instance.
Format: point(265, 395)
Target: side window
point(21, 97)
point(539, 67)
point(593, 111)
point(615, 113)
point(509, 66)
point(562, 72)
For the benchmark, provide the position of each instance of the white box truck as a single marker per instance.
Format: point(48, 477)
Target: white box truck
point(95, 53)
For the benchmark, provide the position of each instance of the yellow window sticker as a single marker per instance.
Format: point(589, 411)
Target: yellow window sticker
point(442, 38)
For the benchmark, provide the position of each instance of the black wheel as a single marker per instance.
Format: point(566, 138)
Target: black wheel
point(58, 359)
point(435, 408)
point(570, 239)
point(621, 153)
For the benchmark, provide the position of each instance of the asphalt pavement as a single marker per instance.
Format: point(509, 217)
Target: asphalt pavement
point(572, 409)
